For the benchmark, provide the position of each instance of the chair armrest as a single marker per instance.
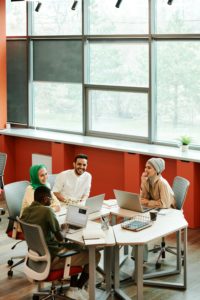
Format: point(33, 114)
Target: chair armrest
point(68, 253)
point(12, 219)
point(71, 246)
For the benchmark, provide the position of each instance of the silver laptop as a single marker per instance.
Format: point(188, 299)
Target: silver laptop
point(130, 201)
point(95, 203)
point(76, 218)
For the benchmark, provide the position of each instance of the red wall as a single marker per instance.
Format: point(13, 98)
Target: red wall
point(109, 169)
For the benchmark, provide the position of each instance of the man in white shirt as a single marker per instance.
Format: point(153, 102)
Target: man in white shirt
point(73, 186)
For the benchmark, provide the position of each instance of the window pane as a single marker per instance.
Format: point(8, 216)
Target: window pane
point(15, 18)
point(118, 63)
point(57, 60)
point(17, 74)
point(118, 112)
point(58, 106)
point(130, 18)
point(57, 18)
point(178, 90)
point(182, 16)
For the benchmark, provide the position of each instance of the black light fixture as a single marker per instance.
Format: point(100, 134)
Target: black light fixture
point(38, 6)
point(74, 5)
point(118, 3)
point(169, 2)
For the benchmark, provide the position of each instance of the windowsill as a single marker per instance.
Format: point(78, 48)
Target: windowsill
point(103, 143)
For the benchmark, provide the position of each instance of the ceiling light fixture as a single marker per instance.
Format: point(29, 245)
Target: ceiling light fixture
point(118, 3)
point(74, 5)
point(38, 6)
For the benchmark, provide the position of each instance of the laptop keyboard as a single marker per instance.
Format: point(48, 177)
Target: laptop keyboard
point(146, 208)
point(73, 227)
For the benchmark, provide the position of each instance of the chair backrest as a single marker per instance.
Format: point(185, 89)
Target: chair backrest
point(14, 193)
point(3, 158)
point(51, 179)
point(180, 187)
point(38, 260)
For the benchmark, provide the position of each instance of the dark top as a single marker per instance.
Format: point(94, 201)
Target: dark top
point(44, 216)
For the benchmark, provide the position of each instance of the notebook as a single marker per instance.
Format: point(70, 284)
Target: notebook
point(76, 218)
point(130, 201)
point(95, 203)
point(91, 234)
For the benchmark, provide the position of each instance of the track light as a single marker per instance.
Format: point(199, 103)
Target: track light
point(74, 5)
point(38, 6)
point(118, 3)
point(169, 2)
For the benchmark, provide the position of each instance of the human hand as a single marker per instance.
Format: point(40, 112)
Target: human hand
point(144, 201)
point(64, 227)
point(144, 177)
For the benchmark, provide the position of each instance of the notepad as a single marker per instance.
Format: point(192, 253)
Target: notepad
point(93, 234)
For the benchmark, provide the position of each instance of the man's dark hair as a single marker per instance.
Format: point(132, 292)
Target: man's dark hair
point(83, 156)
point(41, 192)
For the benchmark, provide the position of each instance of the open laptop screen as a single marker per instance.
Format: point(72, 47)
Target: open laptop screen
point(77, 215)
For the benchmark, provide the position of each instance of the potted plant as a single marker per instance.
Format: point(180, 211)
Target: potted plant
point(185, 141)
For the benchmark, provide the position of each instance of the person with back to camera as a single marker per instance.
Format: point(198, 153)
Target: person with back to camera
point(40, 213)
point(38, 177)
point(155, 190)
point(73, 186)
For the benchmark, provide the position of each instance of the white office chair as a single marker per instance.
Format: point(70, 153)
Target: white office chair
point(180, 188)
point(51, 179)
point(37, 266)
point(3, 159)
point(14, 193)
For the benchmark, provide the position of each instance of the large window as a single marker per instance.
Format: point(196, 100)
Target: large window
point(178, 90)
point(181, 17)
point(17, 82)
point(58, 106)
point(15, 18)
point(104, 18)
point(130, 72)
point(118, 113)
point(57, 84)
point(122, 63)
point(57, 18)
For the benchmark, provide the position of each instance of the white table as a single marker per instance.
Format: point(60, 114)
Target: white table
point(92, 245)
point(173, 221)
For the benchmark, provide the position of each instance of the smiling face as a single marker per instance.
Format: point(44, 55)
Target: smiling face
point(42, 175)
point(80, 166)
point(149, 170)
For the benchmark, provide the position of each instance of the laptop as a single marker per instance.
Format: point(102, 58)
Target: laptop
point(95, 203)
point(130, 201)
point(76, 218)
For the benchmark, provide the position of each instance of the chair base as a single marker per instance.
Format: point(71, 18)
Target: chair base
point(50, 294)
point(10, 263)
point(163, 250)
point(44, 296)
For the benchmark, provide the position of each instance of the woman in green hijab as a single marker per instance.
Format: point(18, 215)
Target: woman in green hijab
point(39, 177)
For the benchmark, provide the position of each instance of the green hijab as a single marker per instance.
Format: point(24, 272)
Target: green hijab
point(35, 182)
